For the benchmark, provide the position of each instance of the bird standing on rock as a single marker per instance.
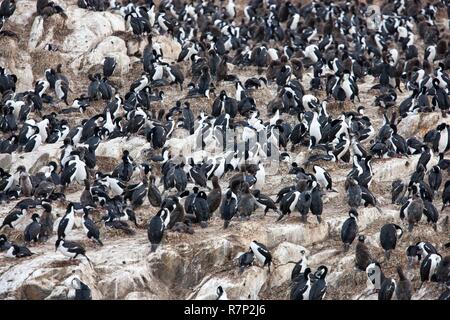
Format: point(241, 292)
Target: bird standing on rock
point(349, 229)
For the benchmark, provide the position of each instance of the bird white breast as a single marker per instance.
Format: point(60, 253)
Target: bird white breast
point(231, 9)
point(295, 21)
point(38, 140)
point(114, 186)
point(161, 23)
point(432, 54)
point(260, 178)
point(43, 129)
point(20, 218)
point(435, 259)
point(258, 255)
point(80, 173)
point(443, 140)
point(65, 251)
point(86, 230)
point(9, 253)
point(70, 224)
point(315, 129)
point(294, 202)
point(309, 53)
point(58, 89)
point(158, 73)
point(239, 90)
point(320, 176)
point(348, 90)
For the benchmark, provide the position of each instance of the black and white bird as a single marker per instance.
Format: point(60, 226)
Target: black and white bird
point(301, 287)
point(71, 249)
point(89, 227)
point(376, 276)
point(79, 290)
point(261, 253)
point(349, 229)
point(14, 218)
point(319, 284)
point(67, 222)
point(389, 235)
point(33, 230)
point(228, 207)
point(16, 251)
point(109, 64)
point(156, 227)
point(323, 178)
point(428, 268)
point(246, 259)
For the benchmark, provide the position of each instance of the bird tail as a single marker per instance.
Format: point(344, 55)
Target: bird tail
point(387, 254)
point(153, 247)
point(280, 217)
point(379, 209)
point(226, 223)
point(100, 242)
point(410, 227)
point(319, 219)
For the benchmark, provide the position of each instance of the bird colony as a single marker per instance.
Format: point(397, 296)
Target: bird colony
point(232, 149)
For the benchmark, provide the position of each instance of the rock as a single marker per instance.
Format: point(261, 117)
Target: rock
point(17, 62)
point(35, 160)
point(123, 281)
point(304, 234)
point(5, 161)
point(395, 168)
point(285, 255)
point(24, 11)
point(246, 286)
point(110, 47)
point(322, 257)
point(366, 216)
point(115, 147)
point(89, 29)
point(40, 162)
point(169, 46)
point(355, 278)
point(287, 252)
point(419, 124)
point(207, 254)
point(58, 293)
point(33, 291)
point(37, 31)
